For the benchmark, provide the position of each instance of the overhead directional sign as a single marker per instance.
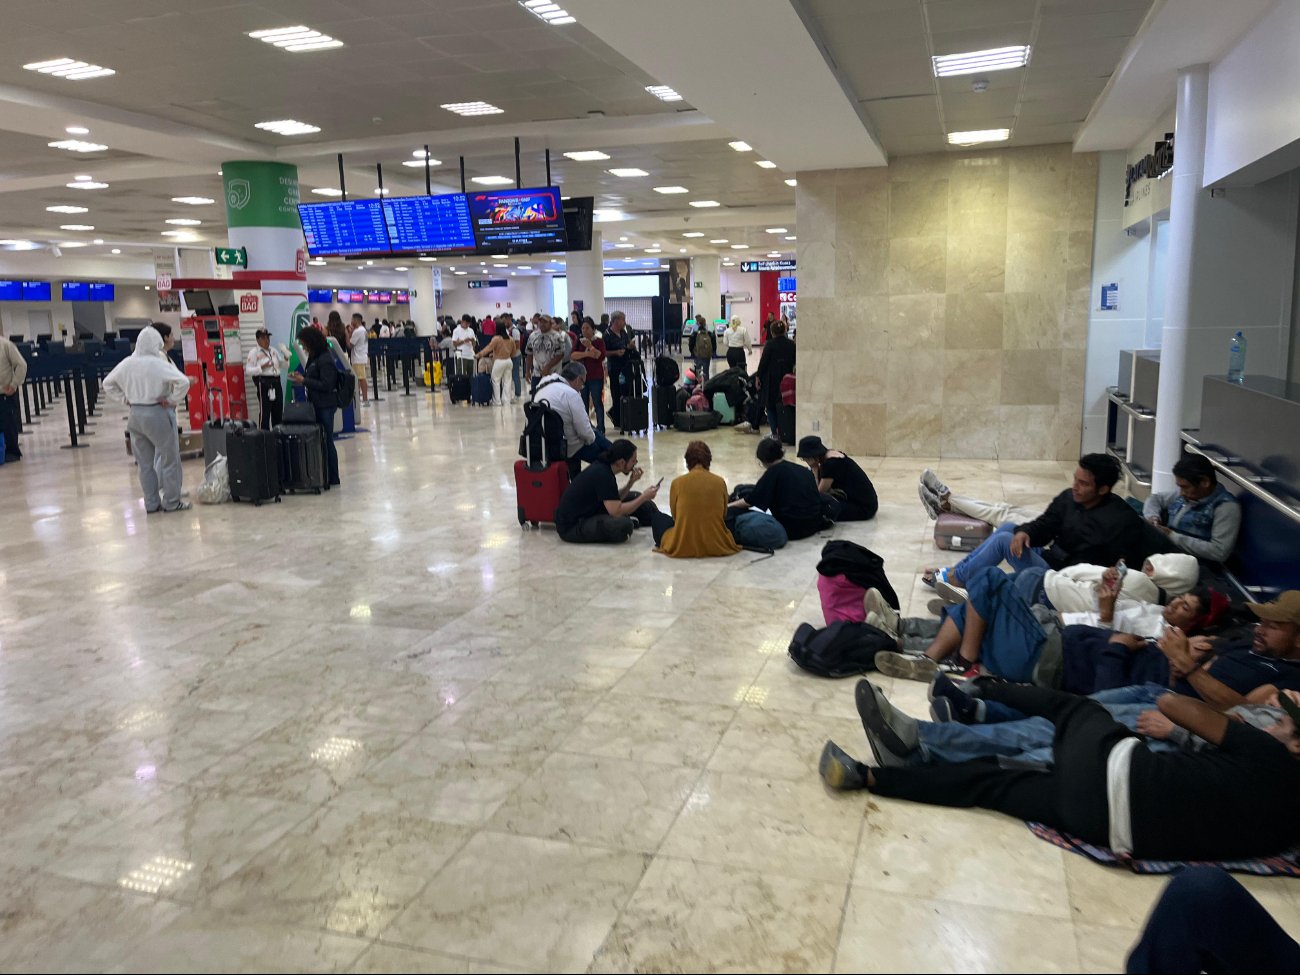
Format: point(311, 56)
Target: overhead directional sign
point(233, 256)
point(781, 265)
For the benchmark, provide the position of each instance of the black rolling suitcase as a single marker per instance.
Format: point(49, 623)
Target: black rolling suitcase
point(634, 407)
point(302, 457)
point(785, 418)
point(665, 405)
point(253, 461)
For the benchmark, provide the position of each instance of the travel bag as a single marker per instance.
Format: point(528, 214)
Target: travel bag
point(459, 388)
point(480, 389)
point(959, 533)
point(692, 421)
point(539, 481)
point(298, 412)
point(634, 414)
point(301, 456)
point(253, 464)
point(665, 405)
point(726, 414)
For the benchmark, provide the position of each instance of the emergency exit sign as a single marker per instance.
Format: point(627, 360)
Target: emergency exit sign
point(233, 256)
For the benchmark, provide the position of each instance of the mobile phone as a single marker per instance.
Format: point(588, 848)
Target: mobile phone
point(658, 482)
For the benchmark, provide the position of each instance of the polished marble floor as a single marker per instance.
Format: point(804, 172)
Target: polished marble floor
point(387, 730)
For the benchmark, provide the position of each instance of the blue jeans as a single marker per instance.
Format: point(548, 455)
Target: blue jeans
point(592, 451)
point(774, 420)
point(516, 375)
point(593, 391)
point(995, 549)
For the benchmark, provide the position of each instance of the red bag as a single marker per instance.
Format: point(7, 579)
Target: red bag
point(787, 389)
point(538, 491)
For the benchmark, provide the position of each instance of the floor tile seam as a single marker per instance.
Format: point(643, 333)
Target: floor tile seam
point(432, 952)
point(848, 890)
point(960, 905)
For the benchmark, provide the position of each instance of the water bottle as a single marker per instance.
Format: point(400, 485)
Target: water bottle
point(1237, 358)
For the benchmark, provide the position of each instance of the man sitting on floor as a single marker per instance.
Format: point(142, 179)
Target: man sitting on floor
point(593, 509)
point(1202, 517)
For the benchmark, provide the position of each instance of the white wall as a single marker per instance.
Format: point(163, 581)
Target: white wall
point(1254, 99)
point(525, 295)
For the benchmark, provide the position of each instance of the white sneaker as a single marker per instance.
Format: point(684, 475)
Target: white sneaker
point(876, 605)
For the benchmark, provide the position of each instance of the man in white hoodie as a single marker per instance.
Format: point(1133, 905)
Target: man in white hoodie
point(562, 393)
point(152, 386)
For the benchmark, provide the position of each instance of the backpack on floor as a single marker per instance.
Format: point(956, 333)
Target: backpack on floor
point(842, 649)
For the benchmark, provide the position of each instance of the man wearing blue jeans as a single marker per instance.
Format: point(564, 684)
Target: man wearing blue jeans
point(1085, 524)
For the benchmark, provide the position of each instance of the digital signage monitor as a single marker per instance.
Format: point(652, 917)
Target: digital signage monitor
point(76, 290)
point(36, 291)
point(101, 291)
point(526, 220)
point(402, 297)
point(320, 296)
point(380, 297)
point(11, 291)
point(344, 227)
point(434, 224)
point(578, 212)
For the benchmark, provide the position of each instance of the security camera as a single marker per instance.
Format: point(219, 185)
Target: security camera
point(56, 252)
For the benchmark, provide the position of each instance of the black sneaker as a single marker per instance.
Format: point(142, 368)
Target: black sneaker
point(941, 711)
point(892, 735)
point(960, 705)
point(839, 769)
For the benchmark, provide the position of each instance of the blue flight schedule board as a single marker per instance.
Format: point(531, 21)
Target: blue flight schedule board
point(76, 290)
point(36, 291)
point(11, 291)
point(99, 291)
point(429, 223)
point(320, 296)
point(344, 227)
point(518, 220)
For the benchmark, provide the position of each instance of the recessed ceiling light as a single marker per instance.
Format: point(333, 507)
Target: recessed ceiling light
point(116, 250)
point(98, 240)
point(682, 250)
point(81, 178)
point(183, 222)
point(978, 135)
point(741, 146)
point(194, 201)
point(525, 267)
point(401, 268)
point(654, 250)
point(427, 260)
point(663, 93)
point(482, 263)
point(76, 145)
point(765, 164)
point(491, 180)
point(500, 265)
point(86, 184)
point(419, 163)
point(296, 39)
point(65, 208)
point(791, 182)
point(70, 69)
point(327, 191)
point(181, 234)
point(586, 155)
point(777, 230)
point(77, 130)
point(705, 203)
point(773, 253)
point(629, 259)
point(382, 191)
point(720, 240)
point(671, 189)
point(792, 237)
point(740, 247)
point(370, 263)
point(72, 243)
point(75, 226)
point(552, 13)
point(977, 62)
point(499, 257)
point(693, 233)
point(460, 272)
point(317, 263)
point(628, 172)
point(469, 109)
point(624, 246)
point(287, 126)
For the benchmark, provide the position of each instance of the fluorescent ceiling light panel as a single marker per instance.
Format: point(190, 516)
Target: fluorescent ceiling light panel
point(86, 184)
point(693, 233)
point(296, 39)
point(765, 164)
point(741, 146)
point(184, 234)
point(183, 222)
point(317, 263)
point(194, 201)
point(552, 13)
point(740, 247)
point(663, 93)
point(491, 180)
point(977, 62)
point(65, 208)
point(75, 226)
point(671, 189)
point(426, 259)
point(777, 230)
point(76, 145)
point(287, 126)
point(792, 237)
point(791, 182)
point(624, 246)
point(419, 163)
point(72, 243)
point(977, 136)
point(327, 191)
point(468, 109)
point(628, 172)
point(720, 240)
point(705, 203)
point(70, 69)
point(77, 130)
point(586, 155)
point(603, 215)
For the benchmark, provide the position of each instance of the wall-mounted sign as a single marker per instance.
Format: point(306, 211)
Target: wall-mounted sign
point(786, 297)
point(233, 256)
point(781, 265)
point(1155, 164)
point(1109, 297)
point(495, 283)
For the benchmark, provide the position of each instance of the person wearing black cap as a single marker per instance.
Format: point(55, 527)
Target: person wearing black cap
point(839, 477)
point(787, 491)
point(594, 509)
point(265, 364)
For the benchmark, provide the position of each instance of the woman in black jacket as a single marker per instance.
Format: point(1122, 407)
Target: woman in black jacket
point(321, 378)
point(775, 364)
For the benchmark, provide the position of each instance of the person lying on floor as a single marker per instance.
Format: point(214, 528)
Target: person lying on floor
point(1074, 588)
point(999, 631)
point(1086, 523)
point(1106, 786)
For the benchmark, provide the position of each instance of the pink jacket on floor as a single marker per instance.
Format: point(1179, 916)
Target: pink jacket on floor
point(841, 599)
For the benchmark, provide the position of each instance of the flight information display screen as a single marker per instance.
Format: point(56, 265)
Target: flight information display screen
point(320, 296)
point(36, 291)
point(429, 223)
point(518, 220)
point(76, 290)
point(11, 291)
point(344, 227)
point(101, 291)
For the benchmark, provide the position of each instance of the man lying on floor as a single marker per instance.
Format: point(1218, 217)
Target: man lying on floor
point(1106, 786)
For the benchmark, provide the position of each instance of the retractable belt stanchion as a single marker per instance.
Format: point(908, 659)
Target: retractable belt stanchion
point(374, 378)
point(81, 404)
point(72, 421)
point(27, 409)
point(406, 373)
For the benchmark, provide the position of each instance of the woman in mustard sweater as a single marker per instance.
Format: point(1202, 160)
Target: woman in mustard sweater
point(699, 506)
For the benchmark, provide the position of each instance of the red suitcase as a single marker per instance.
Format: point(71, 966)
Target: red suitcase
point(539, 482)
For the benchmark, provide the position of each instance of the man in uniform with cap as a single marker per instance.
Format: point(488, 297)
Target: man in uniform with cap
point(265, 364)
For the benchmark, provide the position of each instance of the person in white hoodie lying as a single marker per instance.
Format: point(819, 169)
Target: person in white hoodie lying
point(562, 392)
point(152, 386)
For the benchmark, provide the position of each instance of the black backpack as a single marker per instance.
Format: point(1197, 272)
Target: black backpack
point(843, 649)
point(346, 389)
point(667, 372)
point(543, 441)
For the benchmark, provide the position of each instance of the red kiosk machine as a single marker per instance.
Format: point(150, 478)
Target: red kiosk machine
point(213, 356)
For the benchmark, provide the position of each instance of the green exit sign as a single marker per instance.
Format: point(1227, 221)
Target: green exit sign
point(234, 256)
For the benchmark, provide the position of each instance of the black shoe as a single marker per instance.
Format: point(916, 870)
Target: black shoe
point(840, 770)
point(892, 735)
point(960, 706)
